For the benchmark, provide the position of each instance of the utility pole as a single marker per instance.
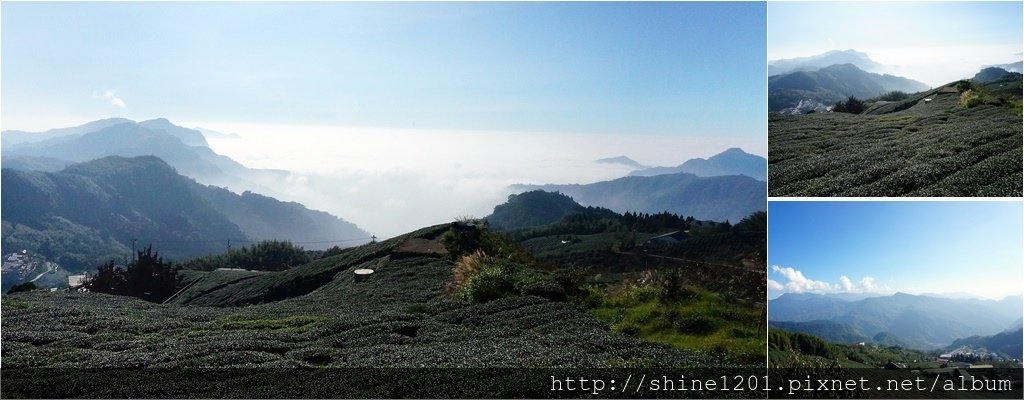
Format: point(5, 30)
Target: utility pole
point(229, 245)
point(133, 251)
point(373, 239)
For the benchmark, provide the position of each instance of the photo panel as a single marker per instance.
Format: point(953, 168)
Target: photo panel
point(383, 199)
point(887, 291)
point(894, 99)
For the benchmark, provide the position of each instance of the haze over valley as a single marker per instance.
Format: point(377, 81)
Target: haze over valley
point(390, 181)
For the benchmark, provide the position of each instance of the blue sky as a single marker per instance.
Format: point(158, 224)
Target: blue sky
point(623, 68)
point(397, 116)
point(934, 42)
point(913, 247)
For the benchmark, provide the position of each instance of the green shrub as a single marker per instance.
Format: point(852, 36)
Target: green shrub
point(268, 255)
point(461, 239)
point(480, 278)
point(491, 283)
point(971, 99)
point(149, 278)
point(963, 86)
point(669, 282)
point(1016, 105)
point(851, 105)
point(590, 298)
point(23, 287)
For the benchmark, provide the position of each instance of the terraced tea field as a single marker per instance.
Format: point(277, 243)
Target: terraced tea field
point(908, 148)
point(317, 316)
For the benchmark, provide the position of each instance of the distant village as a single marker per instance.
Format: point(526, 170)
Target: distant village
point(23, 266)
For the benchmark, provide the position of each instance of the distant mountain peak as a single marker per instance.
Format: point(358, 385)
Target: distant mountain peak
point(190, 137)
point(991, 74)
point(817, 61)
point(732, 161)
point(1010, 67)
point(622, 160)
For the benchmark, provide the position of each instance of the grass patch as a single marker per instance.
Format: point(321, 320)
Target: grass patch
point(696, 320)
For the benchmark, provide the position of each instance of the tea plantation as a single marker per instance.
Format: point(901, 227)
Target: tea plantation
point(941, 142)
point(315, 315)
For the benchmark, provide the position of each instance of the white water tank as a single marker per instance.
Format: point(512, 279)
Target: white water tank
point(362, 274)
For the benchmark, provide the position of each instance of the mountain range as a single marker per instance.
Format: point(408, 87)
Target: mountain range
point(727, 186)
point(831, 84)
point(716, 198)
point(733, 161)
point(184, 149)
point(815, 62)
point(917, 321)
point(89, 212)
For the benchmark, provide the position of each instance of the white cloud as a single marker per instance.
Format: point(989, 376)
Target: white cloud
point(111, 96)
point(796, 282)
point(845, 283)
point(868, 285)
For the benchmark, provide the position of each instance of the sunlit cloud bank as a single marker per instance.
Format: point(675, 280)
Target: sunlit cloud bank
point(937, 66)
point(391, 181)
point(791, 280)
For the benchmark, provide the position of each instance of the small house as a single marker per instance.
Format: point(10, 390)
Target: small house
point(667, 239)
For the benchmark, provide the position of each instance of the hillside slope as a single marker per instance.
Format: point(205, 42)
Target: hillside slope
point(827, 330)
point(89, 213)
point(316, 315)
point(831, 84)
point(1007, 343)
point(925, 145)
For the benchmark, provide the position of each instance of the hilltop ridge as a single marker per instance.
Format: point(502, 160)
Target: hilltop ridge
point(89, 213)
